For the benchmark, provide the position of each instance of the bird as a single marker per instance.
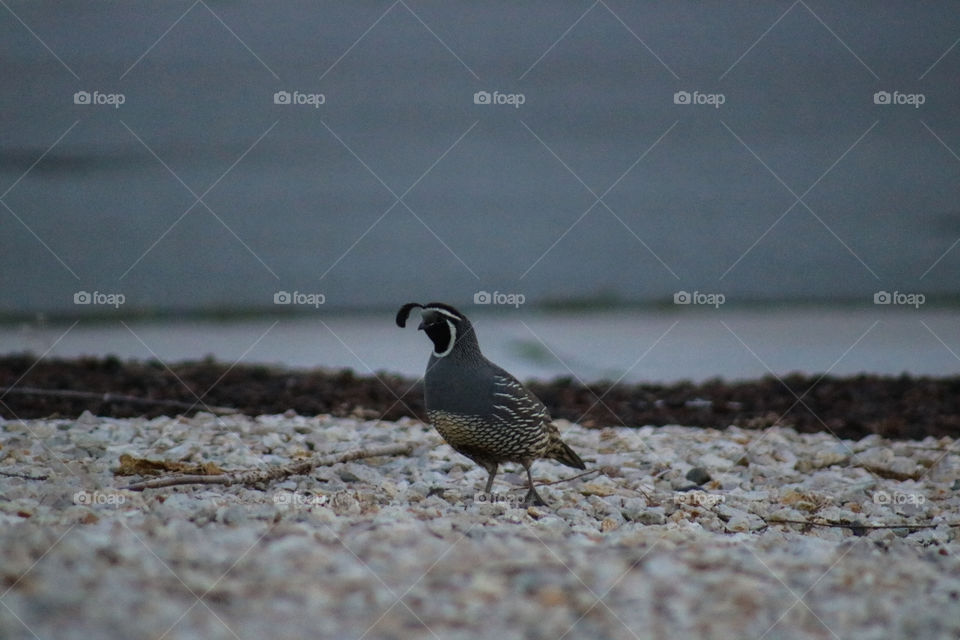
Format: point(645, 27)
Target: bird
point(478, 408)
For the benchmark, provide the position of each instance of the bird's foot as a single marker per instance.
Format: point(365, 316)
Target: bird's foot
point(533, 499)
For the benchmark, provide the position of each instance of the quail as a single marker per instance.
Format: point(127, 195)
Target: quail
point(479, 409)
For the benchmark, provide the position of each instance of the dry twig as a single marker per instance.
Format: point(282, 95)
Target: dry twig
point(13, 474)
point(579, 475)
point(255, 476)
point(856, 525)
point(108, 397)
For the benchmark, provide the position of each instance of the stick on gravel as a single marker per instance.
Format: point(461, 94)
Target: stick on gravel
point(273, 473)
point(115, 398)
point(854, 525)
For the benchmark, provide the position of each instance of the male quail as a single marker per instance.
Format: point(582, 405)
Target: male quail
point(481, 410)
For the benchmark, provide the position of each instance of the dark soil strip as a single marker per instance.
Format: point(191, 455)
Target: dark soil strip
point(895, 407)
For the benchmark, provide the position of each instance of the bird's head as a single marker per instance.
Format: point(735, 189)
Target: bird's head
point(444, 325)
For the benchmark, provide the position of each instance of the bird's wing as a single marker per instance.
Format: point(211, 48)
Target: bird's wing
point(513, 403)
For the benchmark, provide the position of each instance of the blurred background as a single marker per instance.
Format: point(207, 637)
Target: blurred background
point(611, 190)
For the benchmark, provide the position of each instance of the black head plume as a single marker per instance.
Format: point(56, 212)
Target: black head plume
point(446, 309)
point(445, 326)
point(404, 313)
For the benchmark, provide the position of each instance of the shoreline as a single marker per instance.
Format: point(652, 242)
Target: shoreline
point(895, 407)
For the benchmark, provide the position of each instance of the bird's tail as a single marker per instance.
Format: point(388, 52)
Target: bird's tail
point(561, 452)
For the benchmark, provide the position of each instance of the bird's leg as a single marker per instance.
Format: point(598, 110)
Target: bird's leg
point(533, 498)
point(492, 470)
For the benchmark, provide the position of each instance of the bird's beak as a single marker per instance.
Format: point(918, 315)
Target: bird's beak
point(427, 318)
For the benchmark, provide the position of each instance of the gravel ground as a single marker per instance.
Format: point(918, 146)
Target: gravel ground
point(406, 547)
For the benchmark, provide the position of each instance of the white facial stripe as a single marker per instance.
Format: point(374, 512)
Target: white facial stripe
point(453, 340)
point(446, 313)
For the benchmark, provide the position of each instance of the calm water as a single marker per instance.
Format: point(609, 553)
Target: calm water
point(798, 187)
point(637, 346)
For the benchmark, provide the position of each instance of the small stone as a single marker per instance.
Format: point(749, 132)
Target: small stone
point(827, 457)
point(536, 513)
point(741, 521)
point(233, 515)
point(551, 596)
point(698, 475)
point(717, 463)
point(600, 487)
point(272, 441)
point(653, 515)
point(786, 513)
point(183, 451)
point(552, 525)
point(349, 476)
point(345, 503)
point(857, 527)
point(633, 507)
point(608, 524)
point(802, 500)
